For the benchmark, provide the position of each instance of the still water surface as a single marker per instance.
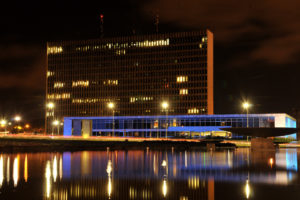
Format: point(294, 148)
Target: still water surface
point(150, 174)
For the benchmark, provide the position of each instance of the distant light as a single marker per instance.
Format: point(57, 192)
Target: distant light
point(164, 163)
point(165, 105)
point(27, 126)
point(246, 105)
point(101, 16)
point(271, 162)
point(50, 105)
point(111, 105)
point(3, 122)
point(17, 118)
point(55, 123)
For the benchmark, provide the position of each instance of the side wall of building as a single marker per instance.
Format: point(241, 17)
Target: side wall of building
point(210, 73)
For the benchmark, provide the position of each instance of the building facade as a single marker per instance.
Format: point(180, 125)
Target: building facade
point(195, 126)
point(136, 73)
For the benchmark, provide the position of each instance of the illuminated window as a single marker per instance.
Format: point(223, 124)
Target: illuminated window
point(181, 79)
point(50, 114)
point(80, 83)
point(183, 91)
point(134, 99)
point(58, 85)
point(200, 46)
point(193, 111)
point(59, 96)
point(110, 82)
point(49, 73)
point(120, 52)
point(54, 50)
point(204, 39)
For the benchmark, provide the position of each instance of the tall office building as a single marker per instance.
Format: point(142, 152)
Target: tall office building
point(136, 72)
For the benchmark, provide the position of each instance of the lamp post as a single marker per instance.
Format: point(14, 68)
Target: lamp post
point(246, 106)
point(111, 106)
point(17, 119)
point(50, 106)
point(165, 106)
point(56, 123)
point(3, 124)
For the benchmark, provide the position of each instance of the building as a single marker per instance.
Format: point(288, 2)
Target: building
point(137, 73)
point(194, 126)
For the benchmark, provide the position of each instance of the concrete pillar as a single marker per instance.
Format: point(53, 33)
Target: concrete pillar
point(76, 127)
point(86, 129)
point(67, 127)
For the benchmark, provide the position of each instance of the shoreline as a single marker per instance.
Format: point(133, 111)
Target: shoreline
point(43, 143)
point(10, 143)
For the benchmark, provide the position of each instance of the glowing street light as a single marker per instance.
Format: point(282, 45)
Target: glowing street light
point(56, 123)
point(17, 118)
point(246, 106)
point(50, 105)
point(3, 123)
point(111, 106)
point(165, 106)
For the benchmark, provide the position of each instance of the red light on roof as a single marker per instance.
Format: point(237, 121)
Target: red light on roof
point(101, 16)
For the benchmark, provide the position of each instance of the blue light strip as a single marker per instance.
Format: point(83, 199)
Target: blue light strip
point(176, 116)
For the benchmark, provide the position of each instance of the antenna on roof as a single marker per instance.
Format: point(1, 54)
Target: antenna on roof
point(156, 21)
point(101, 25)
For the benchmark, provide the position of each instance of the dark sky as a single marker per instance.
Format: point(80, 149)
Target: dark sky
point(256, 51)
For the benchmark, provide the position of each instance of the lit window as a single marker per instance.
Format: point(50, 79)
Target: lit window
point(183, 91)
point(49, 73)
point(193, 111)
point(181, 79)
point(54, 50)
point(58, 85)
point(120, 52)
point(80, 83)
point(50, 114)
point(110, 82)
point(59, 96)
point(142, 98)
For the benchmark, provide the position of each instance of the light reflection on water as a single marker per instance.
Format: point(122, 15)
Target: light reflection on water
point(139, 174)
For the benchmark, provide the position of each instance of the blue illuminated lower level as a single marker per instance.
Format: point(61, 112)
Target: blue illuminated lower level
point(193, 126)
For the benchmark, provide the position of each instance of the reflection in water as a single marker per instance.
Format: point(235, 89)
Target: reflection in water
point(54, 169)
point(247, 189)
point(1, 171)
point(148, 174)
point(16, 171)
point(48, 179)
point(25, 169)
point(8, 170)
point(109, 185)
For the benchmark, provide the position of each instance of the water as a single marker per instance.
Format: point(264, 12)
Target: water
point(149, 174)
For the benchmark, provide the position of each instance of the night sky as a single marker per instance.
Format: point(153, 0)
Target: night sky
point(256, 49)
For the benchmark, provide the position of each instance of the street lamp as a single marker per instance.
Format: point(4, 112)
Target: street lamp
point(111, 106)
point(165, 106)
point(246, 106)
point(50, 107)
point(17, 119)
point(3, 123)
point(55, 123)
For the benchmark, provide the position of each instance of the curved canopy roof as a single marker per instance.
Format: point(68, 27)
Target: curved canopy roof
point(261, 132)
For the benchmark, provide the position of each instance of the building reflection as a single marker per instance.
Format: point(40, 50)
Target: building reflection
point(146, 174)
